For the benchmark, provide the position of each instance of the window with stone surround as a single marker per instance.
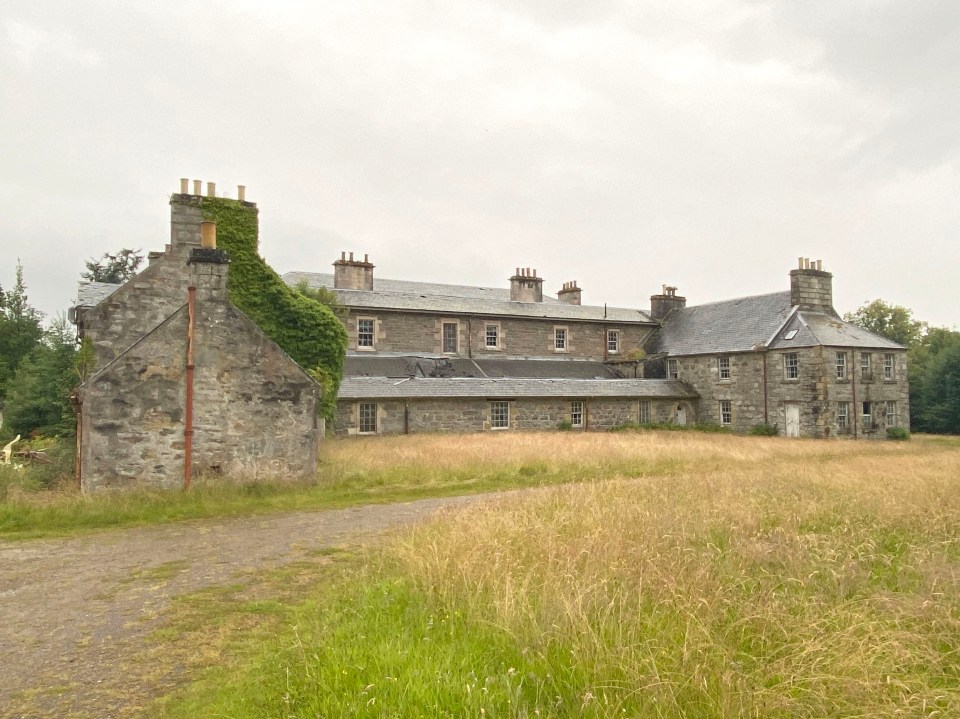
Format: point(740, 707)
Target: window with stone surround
point(366, 333)
point(723, 367)
point(451, 332)
point(560, 339)
point(865, 365)
point(726, 412)
point(891, 413)
point(613, 341)
point(492, 336)
point(791, 365)
point(841, 365)
point(576, 413)
point(889, 366)
point(867, 415)
point(645, 413)
point(843, 415)
point(367, 418)
point(673, 369)
point(500, 415)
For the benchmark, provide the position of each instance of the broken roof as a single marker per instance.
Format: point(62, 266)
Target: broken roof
point(510, 388)
point(399, 366)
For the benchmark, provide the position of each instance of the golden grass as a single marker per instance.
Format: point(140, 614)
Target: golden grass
point(763, 578)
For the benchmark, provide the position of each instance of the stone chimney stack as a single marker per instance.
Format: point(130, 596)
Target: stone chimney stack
point(351, 274)
point(525, 286)
point(209, 267)
point(663, 304)
point(570, 294)
point(811, 288)
point(186, 215)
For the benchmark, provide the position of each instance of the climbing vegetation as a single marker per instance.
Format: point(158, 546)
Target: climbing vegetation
point(305, 328)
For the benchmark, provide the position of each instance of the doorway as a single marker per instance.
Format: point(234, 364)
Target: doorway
point(792, 412)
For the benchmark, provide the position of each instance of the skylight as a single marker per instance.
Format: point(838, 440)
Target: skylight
point(790, 335)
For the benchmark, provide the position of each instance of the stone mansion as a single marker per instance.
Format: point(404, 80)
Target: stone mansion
point(435, 357)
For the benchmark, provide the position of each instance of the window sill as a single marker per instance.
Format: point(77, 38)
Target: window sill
point(366, 349)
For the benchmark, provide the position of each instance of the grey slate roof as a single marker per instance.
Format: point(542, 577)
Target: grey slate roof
point(91, 294)
point(407, 287)
point(461, 299)
point(354, 388)
point(732, 326)
point(357, 365)
point(747, 323)
point(818, 328)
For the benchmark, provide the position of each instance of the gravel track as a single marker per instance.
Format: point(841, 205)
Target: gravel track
point(74, 612)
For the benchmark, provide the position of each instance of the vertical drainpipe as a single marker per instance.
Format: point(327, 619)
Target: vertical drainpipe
point(406, 417)
point(470, 337)
point(586, 414)
point(188, 419)
point(853, 390)
point(766, 413)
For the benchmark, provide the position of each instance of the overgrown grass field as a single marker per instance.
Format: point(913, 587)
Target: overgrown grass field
point(678, 575)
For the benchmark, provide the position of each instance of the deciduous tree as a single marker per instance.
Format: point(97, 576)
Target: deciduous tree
point(114, 268)
point(894, 322)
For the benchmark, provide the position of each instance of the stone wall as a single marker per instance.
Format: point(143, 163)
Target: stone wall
point(416, 332)
point(473, 415)
point(744, 389)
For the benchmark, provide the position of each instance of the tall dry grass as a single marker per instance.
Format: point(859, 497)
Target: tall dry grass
point(760, 578)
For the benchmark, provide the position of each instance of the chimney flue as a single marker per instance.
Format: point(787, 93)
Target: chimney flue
point(242, 192)
point(184, 186)
point(211, 189)
point(208, 235)
point(197, 187)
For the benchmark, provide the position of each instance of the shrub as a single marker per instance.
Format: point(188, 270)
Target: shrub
point(764, 430)
point(900, 434)
point(564, 425)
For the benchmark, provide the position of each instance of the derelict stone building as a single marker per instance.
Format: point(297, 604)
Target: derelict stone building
point(183, 382)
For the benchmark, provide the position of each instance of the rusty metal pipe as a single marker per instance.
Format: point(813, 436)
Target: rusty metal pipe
point(188, 418)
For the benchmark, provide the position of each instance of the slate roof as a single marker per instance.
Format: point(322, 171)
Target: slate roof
point(407, 287)
point(737, 325)
point(91, 294)
point(817, 328)
point(504, 388)
point(462, 299)
point(399, 366)
point(745, 324)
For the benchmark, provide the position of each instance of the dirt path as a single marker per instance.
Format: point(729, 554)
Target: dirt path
point(74, 611)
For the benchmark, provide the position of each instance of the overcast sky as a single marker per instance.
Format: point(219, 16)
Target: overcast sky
point(704, 144)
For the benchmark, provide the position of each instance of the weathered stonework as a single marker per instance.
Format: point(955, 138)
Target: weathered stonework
point(421, 332)
point(759, 390)
point(416, 416)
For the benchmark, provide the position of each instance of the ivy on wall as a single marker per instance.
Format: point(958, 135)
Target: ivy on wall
point(305, 329)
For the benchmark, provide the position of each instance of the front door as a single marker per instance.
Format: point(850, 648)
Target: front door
point(793, 418)
point(681, 414)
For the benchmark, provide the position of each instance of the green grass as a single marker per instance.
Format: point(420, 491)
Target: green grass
point(759, 578)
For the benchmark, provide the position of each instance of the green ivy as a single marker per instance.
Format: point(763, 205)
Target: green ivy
point(305, 329)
